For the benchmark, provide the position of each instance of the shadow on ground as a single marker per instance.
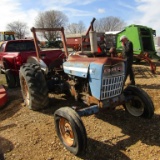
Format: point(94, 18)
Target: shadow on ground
point(137, 128)
point(5, 146)
point(111, 151)
point(13, 105)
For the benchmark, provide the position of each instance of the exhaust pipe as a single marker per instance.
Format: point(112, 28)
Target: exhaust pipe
point(93, 41)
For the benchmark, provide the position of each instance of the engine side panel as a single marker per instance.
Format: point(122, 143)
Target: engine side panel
point(76, 69)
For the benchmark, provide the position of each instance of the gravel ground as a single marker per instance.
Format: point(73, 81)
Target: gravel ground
point(112, 135)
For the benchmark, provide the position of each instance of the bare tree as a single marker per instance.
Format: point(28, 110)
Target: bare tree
point(20, 29)
point(109, 24)
point(51, 19)
point(74, 28)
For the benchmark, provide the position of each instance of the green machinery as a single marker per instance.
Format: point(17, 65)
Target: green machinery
point(142, 38)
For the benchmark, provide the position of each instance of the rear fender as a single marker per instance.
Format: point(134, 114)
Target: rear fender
point(41, 63)
point(8, 61)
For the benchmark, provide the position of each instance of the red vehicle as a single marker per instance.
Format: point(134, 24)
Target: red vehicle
point(81, 42)
point(15, 53)
point(78, 42)
point(3, 96)
point(75, 41)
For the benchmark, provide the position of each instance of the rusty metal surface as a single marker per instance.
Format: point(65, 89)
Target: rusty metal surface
point(104, 60)
point(90, 100)
point(91, 26)
point(74, 92)
point(110, 103)
point(145, 57)
point(33, 30)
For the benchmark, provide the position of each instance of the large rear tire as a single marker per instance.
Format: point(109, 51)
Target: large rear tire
point(10, 79)
point(70, 130)
point(140, 105)
point(33, 86)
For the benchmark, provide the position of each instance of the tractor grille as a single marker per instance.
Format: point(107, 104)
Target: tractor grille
point(111, 86)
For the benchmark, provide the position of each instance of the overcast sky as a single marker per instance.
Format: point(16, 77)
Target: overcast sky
point(143, 12)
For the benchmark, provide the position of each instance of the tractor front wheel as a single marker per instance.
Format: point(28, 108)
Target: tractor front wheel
point(140, 105)
point(70, 130)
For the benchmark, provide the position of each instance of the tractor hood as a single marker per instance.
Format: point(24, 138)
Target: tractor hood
point(80, 65)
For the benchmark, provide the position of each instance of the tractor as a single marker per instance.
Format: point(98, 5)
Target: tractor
point(6, 36)
point(97, 81)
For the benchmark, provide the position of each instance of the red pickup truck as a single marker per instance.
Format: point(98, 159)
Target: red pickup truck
point(15, 53)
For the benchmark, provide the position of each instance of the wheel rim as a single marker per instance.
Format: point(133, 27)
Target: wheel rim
point(25, 91)
point(66, 131)
point(135, 106)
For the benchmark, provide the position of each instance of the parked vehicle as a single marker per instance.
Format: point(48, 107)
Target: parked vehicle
point(97, 81)
point(15, 53)
point(142, 38)
point(6, 36)
point(3, 96)
point(81, 42)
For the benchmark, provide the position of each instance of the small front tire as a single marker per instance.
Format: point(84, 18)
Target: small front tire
point(70, 130)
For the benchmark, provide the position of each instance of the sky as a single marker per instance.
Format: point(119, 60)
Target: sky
point(142, 12)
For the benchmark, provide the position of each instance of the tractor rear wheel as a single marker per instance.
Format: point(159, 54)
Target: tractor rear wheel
point(33, 86)
point(70, 130)
point(140, 105)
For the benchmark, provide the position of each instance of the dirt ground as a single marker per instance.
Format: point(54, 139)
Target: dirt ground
point(112, 135)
